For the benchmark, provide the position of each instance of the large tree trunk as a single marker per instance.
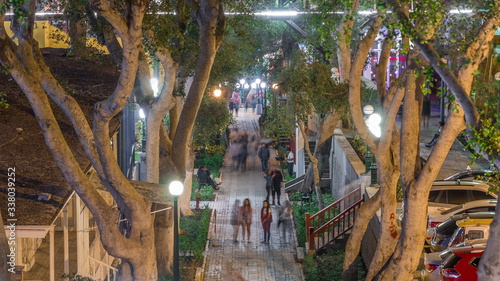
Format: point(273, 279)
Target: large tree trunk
point(185, 199)
point(164, 235)
point(388, 228)
point(211, 20)
point(137, 250)
point(408, 251)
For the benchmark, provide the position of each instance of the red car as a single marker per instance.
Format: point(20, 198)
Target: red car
point(462, 264)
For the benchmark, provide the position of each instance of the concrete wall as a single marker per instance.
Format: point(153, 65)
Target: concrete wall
point(346, 167)
point(348, 173)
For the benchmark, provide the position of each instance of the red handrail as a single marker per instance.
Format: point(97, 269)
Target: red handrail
point(334, 220)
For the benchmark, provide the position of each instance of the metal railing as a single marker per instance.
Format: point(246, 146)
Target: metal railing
point(333, 221)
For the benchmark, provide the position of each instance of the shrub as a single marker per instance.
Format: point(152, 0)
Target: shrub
point(300, 209)
point(328, 267)
point(194, 241)
point(206, 193)
point(211, 156)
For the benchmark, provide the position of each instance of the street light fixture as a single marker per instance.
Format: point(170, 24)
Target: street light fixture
point(373, 121)
point(176, 188)
point(217, 93)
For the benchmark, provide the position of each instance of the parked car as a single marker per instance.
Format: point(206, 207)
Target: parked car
point(462, 264)
point(448, 194)
point(432, 261)
point(471, 175)
point(470, 207)
point(475, 226)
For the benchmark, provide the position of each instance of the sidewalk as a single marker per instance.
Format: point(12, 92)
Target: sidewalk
point(248, 261)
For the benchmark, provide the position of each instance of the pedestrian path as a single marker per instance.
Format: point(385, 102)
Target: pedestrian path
point(226, 260)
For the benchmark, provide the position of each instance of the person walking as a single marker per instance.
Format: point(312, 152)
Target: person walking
point(269, 183)
point(242, 157)
point(426, 111)
point(266, 218)
point(285, 219)
point(290, 158)
point(277, 179)
point(236, 219)
point(246, 219)
point(264, 155)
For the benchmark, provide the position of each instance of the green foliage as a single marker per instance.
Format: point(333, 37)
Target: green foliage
point(3, 100)
point(487, 137)
point(328, 267)
point(196, 228)
point(493, 180)
point(211, 156)
point(359, 146)
point(193, 242)
point(206, 193)
point(300, 209)
point(212, 119)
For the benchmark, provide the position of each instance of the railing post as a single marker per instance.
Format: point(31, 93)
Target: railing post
point(311, 239)
point(308, 224)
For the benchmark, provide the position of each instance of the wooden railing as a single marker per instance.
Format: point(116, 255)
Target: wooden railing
point(333, 221)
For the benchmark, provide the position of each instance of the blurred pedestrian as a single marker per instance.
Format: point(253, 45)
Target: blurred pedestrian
point(264, 155)
point(246, 219)
point(285, 220)
point(234, 152)
point(266, 217)
point(426, 111)
point(243, 153)
point(236, 219)
point(269, 183)
point(277, 179)
point(290, 158)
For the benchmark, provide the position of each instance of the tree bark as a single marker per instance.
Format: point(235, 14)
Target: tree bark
point(321, 150)
point(353, 246)
point(211, 20)
point(314, 163)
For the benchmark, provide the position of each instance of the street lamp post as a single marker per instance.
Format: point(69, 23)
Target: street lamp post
point(373, 123)
point(176, 188)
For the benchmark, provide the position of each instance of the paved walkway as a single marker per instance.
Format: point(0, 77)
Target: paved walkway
point(253, 260)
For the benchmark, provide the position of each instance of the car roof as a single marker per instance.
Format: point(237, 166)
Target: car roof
point(459, 184)
point(468, 249)
point(470, 173)
point(477, 215)
point(474, 222)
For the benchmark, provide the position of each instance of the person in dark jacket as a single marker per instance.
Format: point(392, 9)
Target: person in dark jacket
point(277, 179)
point(264, 155)
point(203, 175)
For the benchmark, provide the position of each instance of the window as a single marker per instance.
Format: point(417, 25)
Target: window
point(478, 195)
point(433, 195)
point(475, 261)
point(475, 234)
point(478, 209)
point(456, 196)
